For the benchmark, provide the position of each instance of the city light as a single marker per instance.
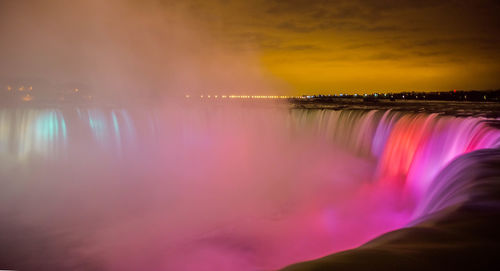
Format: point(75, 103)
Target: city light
point(27, 98)
point(260, 97)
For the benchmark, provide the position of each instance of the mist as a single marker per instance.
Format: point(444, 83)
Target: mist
point(137, 49)
point(192, 187)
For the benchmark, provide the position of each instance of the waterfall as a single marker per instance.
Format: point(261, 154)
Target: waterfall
point(410, 149)
point(243, 187)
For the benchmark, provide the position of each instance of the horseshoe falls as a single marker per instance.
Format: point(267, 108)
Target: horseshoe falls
point(257, 187)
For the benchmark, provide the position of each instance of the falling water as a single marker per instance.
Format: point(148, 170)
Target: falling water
point(217, 187)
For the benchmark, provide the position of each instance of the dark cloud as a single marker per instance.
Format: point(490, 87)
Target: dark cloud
point(303, 47)
point(295, 27)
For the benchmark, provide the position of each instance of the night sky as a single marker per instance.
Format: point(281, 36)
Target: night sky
point(258, 46)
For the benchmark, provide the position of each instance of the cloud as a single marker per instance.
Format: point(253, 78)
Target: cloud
point(186, 43)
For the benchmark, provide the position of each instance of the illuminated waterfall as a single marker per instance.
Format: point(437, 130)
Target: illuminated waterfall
point(26, 134)
point(410, 148)
point(229, 188)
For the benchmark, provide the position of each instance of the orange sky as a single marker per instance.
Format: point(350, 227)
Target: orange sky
point(255, 46)
point(353, 46)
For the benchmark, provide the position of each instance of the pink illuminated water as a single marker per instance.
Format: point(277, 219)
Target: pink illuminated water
point(219, 187)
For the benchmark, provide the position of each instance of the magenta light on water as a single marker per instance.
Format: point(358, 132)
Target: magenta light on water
point(223, 188)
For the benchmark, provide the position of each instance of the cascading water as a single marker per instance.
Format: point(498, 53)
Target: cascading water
point(410, 149)
point(220, 187)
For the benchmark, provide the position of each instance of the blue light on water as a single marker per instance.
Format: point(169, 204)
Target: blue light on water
point(111, 129)
point(41, 131)
point(98, 125)
point(117, 130)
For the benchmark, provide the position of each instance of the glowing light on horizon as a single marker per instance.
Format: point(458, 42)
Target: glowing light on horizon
point(27, 98)
point(251, 96)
